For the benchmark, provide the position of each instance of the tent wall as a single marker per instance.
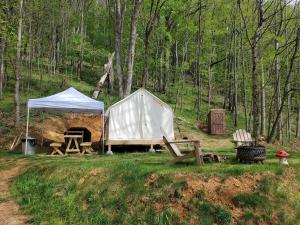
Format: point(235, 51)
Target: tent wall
point(140, 117)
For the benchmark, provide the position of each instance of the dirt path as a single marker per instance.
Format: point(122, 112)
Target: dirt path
point(10, 213)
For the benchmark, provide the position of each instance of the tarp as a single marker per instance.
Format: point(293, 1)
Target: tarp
point(140, 116)
point(69, 100)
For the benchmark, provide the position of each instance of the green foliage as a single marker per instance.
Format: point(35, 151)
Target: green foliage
point(250, 200)
point(223, 216)
point(265, 186)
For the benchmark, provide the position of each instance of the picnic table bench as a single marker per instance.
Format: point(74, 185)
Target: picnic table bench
point(73, 141)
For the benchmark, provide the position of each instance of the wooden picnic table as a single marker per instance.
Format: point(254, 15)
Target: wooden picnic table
point(73, 143)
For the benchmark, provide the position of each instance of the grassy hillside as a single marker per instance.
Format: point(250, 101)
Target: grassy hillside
point(185, 112)
point(143, 188)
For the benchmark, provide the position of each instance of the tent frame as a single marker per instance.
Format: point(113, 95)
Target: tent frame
point(82, 104)
point(27, 129)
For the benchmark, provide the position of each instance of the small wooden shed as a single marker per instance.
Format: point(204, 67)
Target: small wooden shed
point(216, 121)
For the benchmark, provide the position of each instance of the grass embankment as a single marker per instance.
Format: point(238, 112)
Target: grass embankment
point(143, 188)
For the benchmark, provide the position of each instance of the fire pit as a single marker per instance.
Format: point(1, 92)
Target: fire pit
point(250, 154)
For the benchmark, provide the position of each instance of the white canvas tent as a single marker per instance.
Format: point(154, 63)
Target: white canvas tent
point(138, 119)
point(68, 101)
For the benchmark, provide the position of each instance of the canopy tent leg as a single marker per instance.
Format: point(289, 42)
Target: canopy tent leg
point(103, 134)
point(27, 127)
point(43, 118)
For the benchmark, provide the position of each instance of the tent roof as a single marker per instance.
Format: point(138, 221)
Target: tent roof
point(69, 100)
point(134, 93)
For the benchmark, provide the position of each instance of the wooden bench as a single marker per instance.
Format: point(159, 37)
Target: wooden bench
point(86, 147)
point(242, 138)
point(55, 146)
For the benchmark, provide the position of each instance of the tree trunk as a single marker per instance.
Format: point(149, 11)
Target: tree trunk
point(199, 80)
point(244, 93)
point(254, 53)
point(81, 40)
point(2, 50)
point(132, 43)
point(255, 93)
point(154, 15)
point(277, 93)
point(29, 49)
point(286, 91)
point(210, 77)
point(120, 10)
point(263, 103)
point(161, 71)
point(225, 82)
point(235, 76)
point(146, 69)
point(18, 66)
point(298, 122)
point(166, 69)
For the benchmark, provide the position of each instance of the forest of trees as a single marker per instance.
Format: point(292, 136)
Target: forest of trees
point(247, 51)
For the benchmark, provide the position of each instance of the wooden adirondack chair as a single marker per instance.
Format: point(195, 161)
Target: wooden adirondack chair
point(242, 138)
point(181, 155)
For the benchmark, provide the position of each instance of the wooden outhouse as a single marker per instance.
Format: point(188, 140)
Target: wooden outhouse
point(216, 121)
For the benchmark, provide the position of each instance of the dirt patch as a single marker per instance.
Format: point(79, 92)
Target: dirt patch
point(153, 180)
point(10, 213)
point(220, 191)
point(215, 189)
point(92, 173)
point(54, 127)
point(207, 141)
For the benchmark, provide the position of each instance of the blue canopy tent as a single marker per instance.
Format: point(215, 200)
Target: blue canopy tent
point(68, 101)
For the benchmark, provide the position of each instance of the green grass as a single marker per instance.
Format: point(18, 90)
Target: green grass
point(53, 189)
point(8, 159)
point(250, 200)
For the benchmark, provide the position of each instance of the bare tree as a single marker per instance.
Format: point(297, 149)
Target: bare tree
point(132, 43)
point(18, 66)
point(155, 8)
point(2, 50)
point(286, 90)
point(120, 13)
point(262, 24)
point(263, 101)
point(79, 75)
point(298, 122)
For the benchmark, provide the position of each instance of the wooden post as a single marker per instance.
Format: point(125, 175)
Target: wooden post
point(198, 153)
point(109, 152)
point(152, 150)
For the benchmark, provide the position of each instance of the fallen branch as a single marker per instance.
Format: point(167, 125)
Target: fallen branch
point(107, 71)
point(16, 142)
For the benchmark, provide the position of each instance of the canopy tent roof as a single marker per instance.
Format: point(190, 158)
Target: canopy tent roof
point(69, 100)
